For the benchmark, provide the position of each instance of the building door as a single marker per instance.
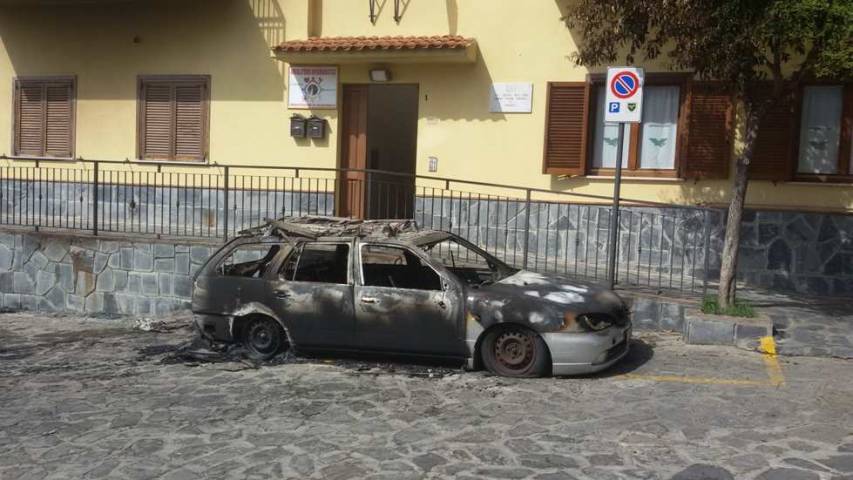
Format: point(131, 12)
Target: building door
point(378, 132)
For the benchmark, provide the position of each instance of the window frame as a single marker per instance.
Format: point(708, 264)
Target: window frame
point(16, 83)
point(845, 141)
point(424, 262)
point(172, 80)
point(297, 251)
point(270, 268)
point(679, 79)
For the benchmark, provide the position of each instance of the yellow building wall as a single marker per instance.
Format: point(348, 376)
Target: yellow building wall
point(106, 45)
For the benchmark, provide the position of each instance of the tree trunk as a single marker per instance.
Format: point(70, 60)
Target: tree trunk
point(731, 244)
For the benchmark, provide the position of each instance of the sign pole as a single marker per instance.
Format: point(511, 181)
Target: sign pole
point(614, 212)
point(623, 104)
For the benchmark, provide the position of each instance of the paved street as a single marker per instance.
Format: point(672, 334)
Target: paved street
point(98, 399)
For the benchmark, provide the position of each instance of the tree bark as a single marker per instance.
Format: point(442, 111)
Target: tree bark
point(731, 243)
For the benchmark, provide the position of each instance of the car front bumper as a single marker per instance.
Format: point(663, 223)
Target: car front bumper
point(582, 353)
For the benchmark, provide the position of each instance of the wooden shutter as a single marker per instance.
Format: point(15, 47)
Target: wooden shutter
point(44, 118)
point(29, 119)
point(157, 121)
point(173, 119)
point(565, 128)
point(709, 126)
point(59, 117)
point(189, 119)
point(773, 156)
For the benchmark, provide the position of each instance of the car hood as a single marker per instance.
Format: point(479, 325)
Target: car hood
point(540, 301)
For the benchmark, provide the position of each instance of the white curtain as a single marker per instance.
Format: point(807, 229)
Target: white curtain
point(660, 123)
point(607, 138)
point(820, 130)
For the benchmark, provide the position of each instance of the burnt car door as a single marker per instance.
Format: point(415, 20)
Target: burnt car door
point(238, 278)
point(313, 294)
point(403, 304)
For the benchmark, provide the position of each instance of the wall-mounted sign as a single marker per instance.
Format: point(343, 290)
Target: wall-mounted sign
point(312, 87)
point(511, 98)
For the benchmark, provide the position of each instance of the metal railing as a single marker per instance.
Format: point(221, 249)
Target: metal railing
point(662, 247)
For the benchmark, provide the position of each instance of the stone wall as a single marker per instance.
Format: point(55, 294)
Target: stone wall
point(810, 253)
point(97, 275)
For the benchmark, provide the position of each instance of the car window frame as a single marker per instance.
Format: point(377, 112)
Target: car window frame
point(215, 270)
point(442, 280)
point(298, 249)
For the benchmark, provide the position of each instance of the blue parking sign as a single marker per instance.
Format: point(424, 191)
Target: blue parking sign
point(613, 107)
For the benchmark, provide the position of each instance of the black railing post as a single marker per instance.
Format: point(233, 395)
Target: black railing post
point(526, 228)
point(706, 248)
point(225, 209)
point(95, 197)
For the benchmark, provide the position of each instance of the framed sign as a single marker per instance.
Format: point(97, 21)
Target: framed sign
point(623, 100)
point(314, 87)
point(511, 98)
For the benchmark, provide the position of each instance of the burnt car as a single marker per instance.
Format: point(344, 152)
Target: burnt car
point(326, 284)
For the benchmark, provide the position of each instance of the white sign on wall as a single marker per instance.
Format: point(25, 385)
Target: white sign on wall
point(511, 98)
point(623, 102)
point(312, 87)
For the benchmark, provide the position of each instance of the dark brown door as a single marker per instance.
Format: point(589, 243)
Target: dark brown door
point(351, 194)
point(378, 133)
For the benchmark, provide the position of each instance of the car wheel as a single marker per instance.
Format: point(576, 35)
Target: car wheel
point(515, 352)
point(263, 338)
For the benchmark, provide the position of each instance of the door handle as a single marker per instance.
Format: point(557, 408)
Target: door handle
point(282, 294)
point(368, 300)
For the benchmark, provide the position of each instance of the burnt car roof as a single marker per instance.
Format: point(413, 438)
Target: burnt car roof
point(313, 228)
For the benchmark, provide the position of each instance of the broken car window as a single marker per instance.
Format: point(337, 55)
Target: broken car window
point(470, 265)
point(395, 267)
point(250, 260)
point(318, 262)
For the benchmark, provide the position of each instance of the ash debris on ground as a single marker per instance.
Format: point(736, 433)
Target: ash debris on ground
point(198, 350)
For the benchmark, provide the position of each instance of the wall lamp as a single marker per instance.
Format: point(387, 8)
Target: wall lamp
point(380, 75)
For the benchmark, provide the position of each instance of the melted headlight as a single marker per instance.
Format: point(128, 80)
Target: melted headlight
point(595, 321)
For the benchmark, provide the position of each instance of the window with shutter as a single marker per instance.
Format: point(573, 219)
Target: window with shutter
point(173, 117)
point(43, 120)
point(709, 142)
point(566, 128)
point(652, 148)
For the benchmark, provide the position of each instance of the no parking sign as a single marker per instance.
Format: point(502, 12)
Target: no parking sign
point(623, 102)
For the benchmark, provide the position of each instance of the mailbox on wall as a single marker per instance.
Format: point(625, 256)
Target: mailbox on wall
point(316, 127)
point(298, 126)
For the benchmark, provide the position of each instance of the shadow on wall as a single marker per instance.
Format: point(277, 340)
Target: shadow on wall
point(107, 45)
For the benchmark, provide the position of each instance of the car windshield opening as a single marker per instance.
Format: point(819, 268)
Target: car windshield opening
point(472, 266)
point(250, 260)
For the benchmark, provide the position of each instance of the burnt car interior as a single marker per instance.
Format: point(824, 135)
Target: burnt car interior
point(249, 260)
point(384, 266)
point(317, 262)
point(469, 265)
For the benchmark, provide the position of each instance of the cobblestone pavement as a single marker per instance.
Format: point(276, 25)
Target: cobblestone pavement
point(96, 399)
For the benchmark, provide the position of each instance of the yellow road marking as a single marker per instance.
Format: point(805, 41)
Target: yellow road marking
point(771, 361)
point(693, 380)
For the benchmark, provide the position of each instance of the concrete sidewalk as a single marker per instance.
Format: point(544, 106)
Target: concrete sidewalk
point(801, 326)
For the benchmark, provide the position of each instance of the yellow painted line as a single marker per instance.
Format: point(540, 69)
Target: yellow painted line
point(693, 380)
point(771, 362)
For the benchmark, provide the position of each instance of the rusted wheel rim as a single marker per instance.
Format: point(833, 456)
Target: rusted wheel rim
point(514, 350)
point(261, 337)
